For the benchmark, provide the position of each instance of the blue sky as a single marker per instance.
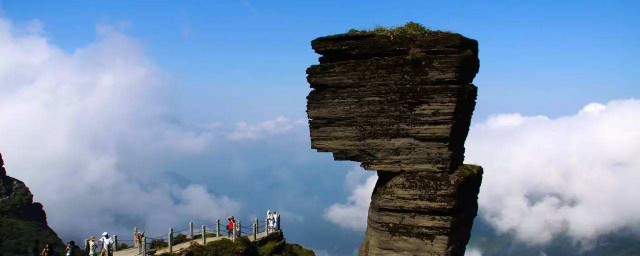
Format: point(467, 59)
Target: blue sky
point(245, 61)
point(239, 59)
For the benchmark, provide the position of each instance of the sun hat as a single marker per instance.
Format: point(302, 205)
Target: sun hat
point(104, 234)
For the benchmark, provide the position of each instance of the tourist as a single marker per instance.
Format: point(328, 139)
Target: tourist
point(106, 242)
point(69, 250)
point(269, 221)
point(47, 251)
point(93, 246)
point(276, 220)
point(138, 237)
point(230, 226)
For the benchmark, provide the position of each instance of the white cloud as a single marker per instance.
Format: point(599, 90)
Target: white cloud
point(214, 125)
point(248, 131)
point(473, 252)
point(574, 175)
point(89, 131)
point(353, 214)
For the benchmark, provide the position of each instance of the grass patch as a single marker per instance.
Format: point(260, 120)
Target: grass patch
point(180, 238)
point(410, 29)
point(21, 235)
point(158, 244)
point(297, 250)
point(242, 246)
point(268, 248)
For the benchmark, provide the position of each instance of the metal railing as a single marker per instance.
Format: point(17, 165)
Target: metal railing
point(190, 234)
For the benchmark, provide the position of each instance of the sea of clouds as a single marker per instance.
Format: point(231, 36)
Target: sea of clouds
point(575, 175)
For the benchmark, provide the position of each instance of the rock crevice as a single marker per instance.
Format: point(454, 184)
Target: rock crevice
point(401, 104)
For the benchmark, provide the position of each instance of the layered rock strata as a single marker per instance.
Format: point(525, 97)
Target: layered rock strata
point(401, 104)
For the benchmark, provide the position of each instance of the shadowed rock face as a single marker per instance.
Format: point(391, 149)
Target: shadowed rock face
point(22, 221)
point(401, 105)
point(16, 200)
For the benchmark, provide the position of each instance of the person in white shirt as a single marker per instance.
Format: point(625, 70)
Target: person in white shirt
point(106, 242)
point(269, 221)
point(276, 220)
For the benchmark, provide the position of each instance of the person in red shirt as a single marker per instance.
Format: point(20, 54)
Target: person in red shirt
point(230, 226)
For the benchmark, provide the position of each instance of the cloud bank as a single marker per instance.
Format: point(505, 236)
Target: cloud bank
point(89, 132)
point(573, 175)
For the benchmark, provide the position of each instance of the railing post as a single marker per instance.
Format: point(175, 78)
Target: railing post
point(266, 225)
point(204, 234)
point(234, 231)
point(115, 243)
point(257, 224)
point(170, 240)
point(135, 236)
point(144, 246)
point(255, 231)
point(218, 228)
point(190, 230)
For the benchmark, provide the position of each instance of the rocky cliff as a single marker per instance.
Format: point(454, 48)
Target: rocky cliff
point(22, 222)
point(400, 102)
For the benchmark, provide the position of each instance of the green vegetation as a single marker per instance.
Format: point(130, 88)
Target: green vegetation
point(297, 250)
point(242, 246)
point(269, 248)
point(467, 170)
point(412, 29)
point(158, 244)
point(180, 238)
point(18, 236)
point(273, 245)
point(22, 222)
point(284, 249)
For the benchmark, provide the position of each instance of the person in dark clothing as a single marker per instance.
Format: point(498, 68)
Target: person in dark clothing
point(70, 250)
point(34, 249)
